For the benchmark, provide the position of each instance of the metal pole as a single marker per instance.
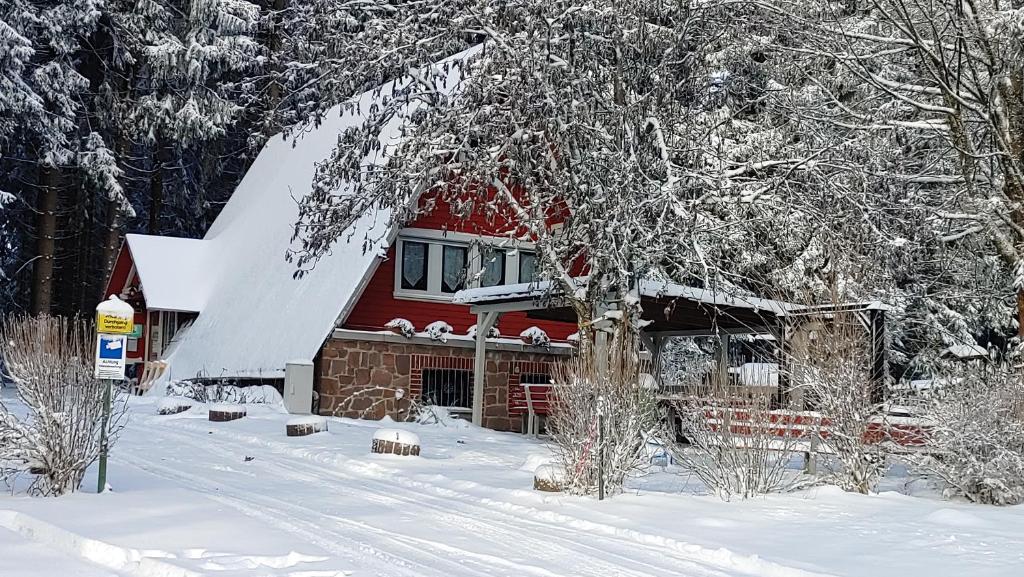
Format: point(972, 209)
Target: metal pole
point(600, 456)
point(101, 484)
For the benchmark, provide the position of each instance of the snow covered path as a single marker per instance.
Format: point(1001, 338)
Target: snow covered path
point(378, 521)
point(240, 499)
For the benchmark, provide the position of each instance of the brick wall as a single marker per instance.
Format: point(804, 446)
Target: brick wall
point(359, 378)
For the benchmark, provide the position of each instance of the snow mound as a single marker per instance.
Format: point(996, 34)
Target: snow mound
point(397, 436)
point(492, 333)
point(648, 382)
point(227, 408)
point(438, 331)
point(202, 393)
point(536, 460)
point(171, 405)
point(401, 326)
point(535, 336)
point(550, 473)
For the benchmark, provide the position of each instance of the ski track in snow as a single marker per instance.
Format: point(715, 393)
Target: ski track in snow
point(503, 537)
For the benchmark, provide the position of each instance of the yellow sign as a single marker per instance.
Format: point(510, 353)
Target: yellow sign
point(113, 325)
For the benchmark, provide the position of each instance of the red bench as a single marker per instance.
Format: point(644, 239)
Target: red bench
point(533, 399)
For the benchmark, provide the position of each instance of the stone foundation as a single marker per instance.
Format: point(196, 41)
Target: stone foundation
point(360, 378)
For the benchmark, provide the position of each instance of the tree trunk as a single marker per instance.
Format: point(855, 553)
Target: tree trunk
point(111, 242)
point(156, 190)
point(46, 233)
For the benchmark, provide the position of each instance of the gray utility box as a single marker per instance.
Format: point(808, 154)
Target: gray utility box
point(298, 387)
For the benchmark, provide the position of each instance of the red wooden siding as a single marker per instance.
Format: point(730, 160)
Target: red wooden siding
point(378, 305)
point(118, 279)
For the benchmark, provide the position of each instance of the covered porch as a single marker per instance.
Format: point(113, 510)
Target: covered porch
point(750, 337)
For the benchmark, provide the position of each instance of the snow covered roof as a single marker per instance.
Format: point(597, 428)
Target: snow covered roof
point(648, 288)
point(173, 271)
point(256, 316)
point(965, 351)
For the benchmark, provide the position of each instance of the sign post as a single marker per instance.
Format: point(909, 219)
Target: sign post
point(114, 322)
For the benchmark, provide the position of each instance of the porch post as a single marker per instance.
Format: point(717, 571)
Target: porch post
point(484, 322)
point(723, 360)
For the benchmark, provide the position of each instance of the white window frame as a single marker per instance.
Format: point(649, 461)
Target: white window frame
point(435, 240)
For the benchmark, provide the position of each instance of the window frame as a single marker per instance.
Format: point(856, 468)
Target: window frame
point(436, 240)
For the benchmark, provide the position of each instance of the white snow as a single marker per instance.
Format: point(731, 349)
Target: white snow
point(402, 326)
point(193, 498)
point(307, 420)
point(758, 374)
point(397, 435)
point(175, 273)
point(438, 331)
point(648, 288)
point(257, 317)
point(492, 333)
point(168, 403)
point(964, 351)
point(551, 473)
point(535, 336)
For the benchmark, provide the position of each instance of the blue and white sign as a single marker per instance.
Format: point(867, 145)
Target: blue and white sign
point(110, 356)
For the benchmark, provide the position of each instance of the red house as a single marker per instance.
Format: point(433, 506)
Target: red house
point(228, 306)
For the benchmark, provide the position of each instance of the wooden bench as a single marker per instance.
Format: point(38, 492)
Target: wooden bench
point(538, 404)
point(151, 372)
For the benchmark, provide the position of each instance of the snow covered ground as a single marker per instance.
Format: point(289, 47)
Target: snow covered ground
point(193, 498)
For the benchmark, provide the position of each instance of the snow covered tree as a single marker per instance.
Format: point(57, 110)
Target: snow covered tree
point(56, 434)
point(602, 418)
point(975, 418)
point(925, 102)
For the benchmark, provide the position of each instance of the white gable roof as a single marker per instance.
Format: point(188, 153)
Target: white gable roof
point(257, 316)
point(173, 271)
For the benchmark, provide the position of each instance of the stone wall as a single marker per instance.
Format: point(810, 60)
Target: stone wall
point(359, 378)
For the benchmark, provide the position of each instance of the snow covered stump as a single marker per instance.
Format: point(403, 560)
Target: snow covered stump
point(172, 406)
point(302, 426)
point(224, 413)
point(549, 478)
point(396, 442)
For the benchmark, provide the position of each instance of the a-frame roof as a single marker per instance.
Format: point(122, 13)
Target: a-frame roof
point(256, 316)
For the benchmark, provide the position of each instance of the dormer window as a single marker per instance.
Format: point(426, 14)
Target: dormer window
point(434, 265)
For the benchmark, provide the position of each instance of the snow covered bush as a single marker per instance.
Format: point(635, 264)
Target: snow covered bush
point(975, 427)
point(53, 430)
point(535, 336)
point(733, 446)
point(225, 393)
point(402, 327)
point(601, 416)
point(831, 371)
point(438, 331)
point(492, 333)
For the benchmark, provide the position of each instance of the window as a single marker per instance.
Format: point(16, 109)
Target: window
point(453, 268)
point(448, 387)
point(534, 379)
point(434, 265)
point(527, 266)
point(493, 267)
point(414, 265)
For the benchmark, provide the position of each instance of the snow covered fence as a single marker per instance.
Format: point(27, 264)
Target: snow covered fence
point(906, 432)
